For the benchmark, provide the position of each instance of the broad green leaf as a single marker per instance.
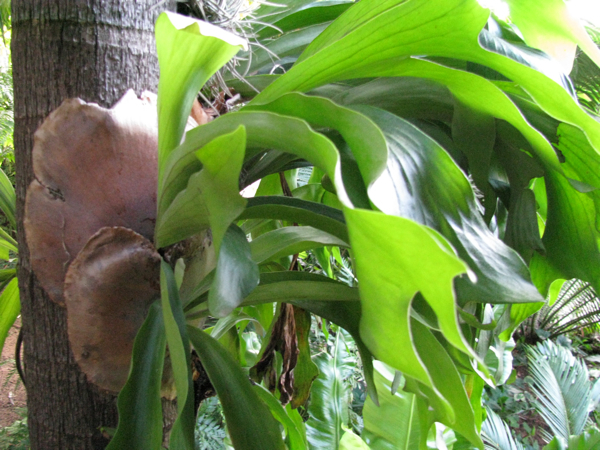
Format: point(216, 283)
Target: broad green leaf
point(424, 184)
point(10, 306)
point(290, 240)
point(250, 424)
point(393, 425)
point(222, 162)
point(189, 53)
point(226, 323)
point(385, 249)
point(139, 404)
point(182, 434)
point(294, 436)
point(322, 217)
point(551, 27)
point(7, 199)
point(329, 404)
point(236, 274)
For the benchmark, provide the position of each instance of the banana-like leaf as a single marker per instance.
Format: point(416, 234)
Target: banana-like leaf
point(250, 424)
point(394, 424)
point(562, 387)
point(189, 53)
point(182, 433)
point(8, 199)
point(139, 404)
point(10, 306)
point(330, 398)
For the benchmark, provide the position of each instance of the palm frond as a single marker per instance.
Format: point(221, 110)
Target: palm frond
point(496, 433)
point(562, 387)
point(586, 76)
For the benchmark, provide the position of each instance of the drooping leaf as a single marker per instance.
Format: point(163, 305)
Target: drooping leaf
point(189, 53)
point(305, 371)
point(236, 274)
point(139, 404)
point(182, 433)
point(10, 306)
point(237, 397)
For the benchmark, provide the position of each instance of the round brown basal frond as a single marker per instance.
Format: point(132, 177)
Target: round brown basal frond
point(94, 167)
point(108, 289)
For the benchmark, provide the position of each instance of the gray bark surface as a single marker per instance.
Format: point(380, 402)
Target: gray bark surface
point(95, 50)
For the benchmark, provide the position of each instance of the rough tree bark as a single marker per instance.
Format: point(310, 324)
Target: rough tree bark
point(95, 50)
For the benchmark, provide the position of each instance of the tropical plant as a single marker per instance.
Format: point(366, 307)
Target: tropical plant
point(573, 307)
point(403, 108)
point(561, 384)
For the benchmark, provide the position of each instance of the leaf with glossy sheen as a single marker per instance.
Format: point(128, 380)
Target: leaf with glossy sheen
point(10, 306)
point(182, 433)
point(290, 240)
point(424, 184)
point(294, 436)
point(189, 53)
point(236, 274)
point(139, 404)
point(393, 425)
point(250, 424)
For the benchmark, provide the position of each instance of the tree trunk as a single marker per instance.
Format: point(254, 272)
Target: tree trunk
point(95, 50)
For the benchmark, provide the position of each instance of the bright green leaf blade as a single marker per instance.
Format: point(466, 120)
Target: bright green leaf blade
point(8, 199)
point(10, 306)
point(250, 424)
point(226, 323)
point(189, 53)
point(263, 130)
point(182, 433)
point(236, 274)
point(328, 409)
point(290, 240)
point(296, 441)
point(424, 184)
point(140, 408)
point(393, 425)
point(385, 251)
point(222, 162)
